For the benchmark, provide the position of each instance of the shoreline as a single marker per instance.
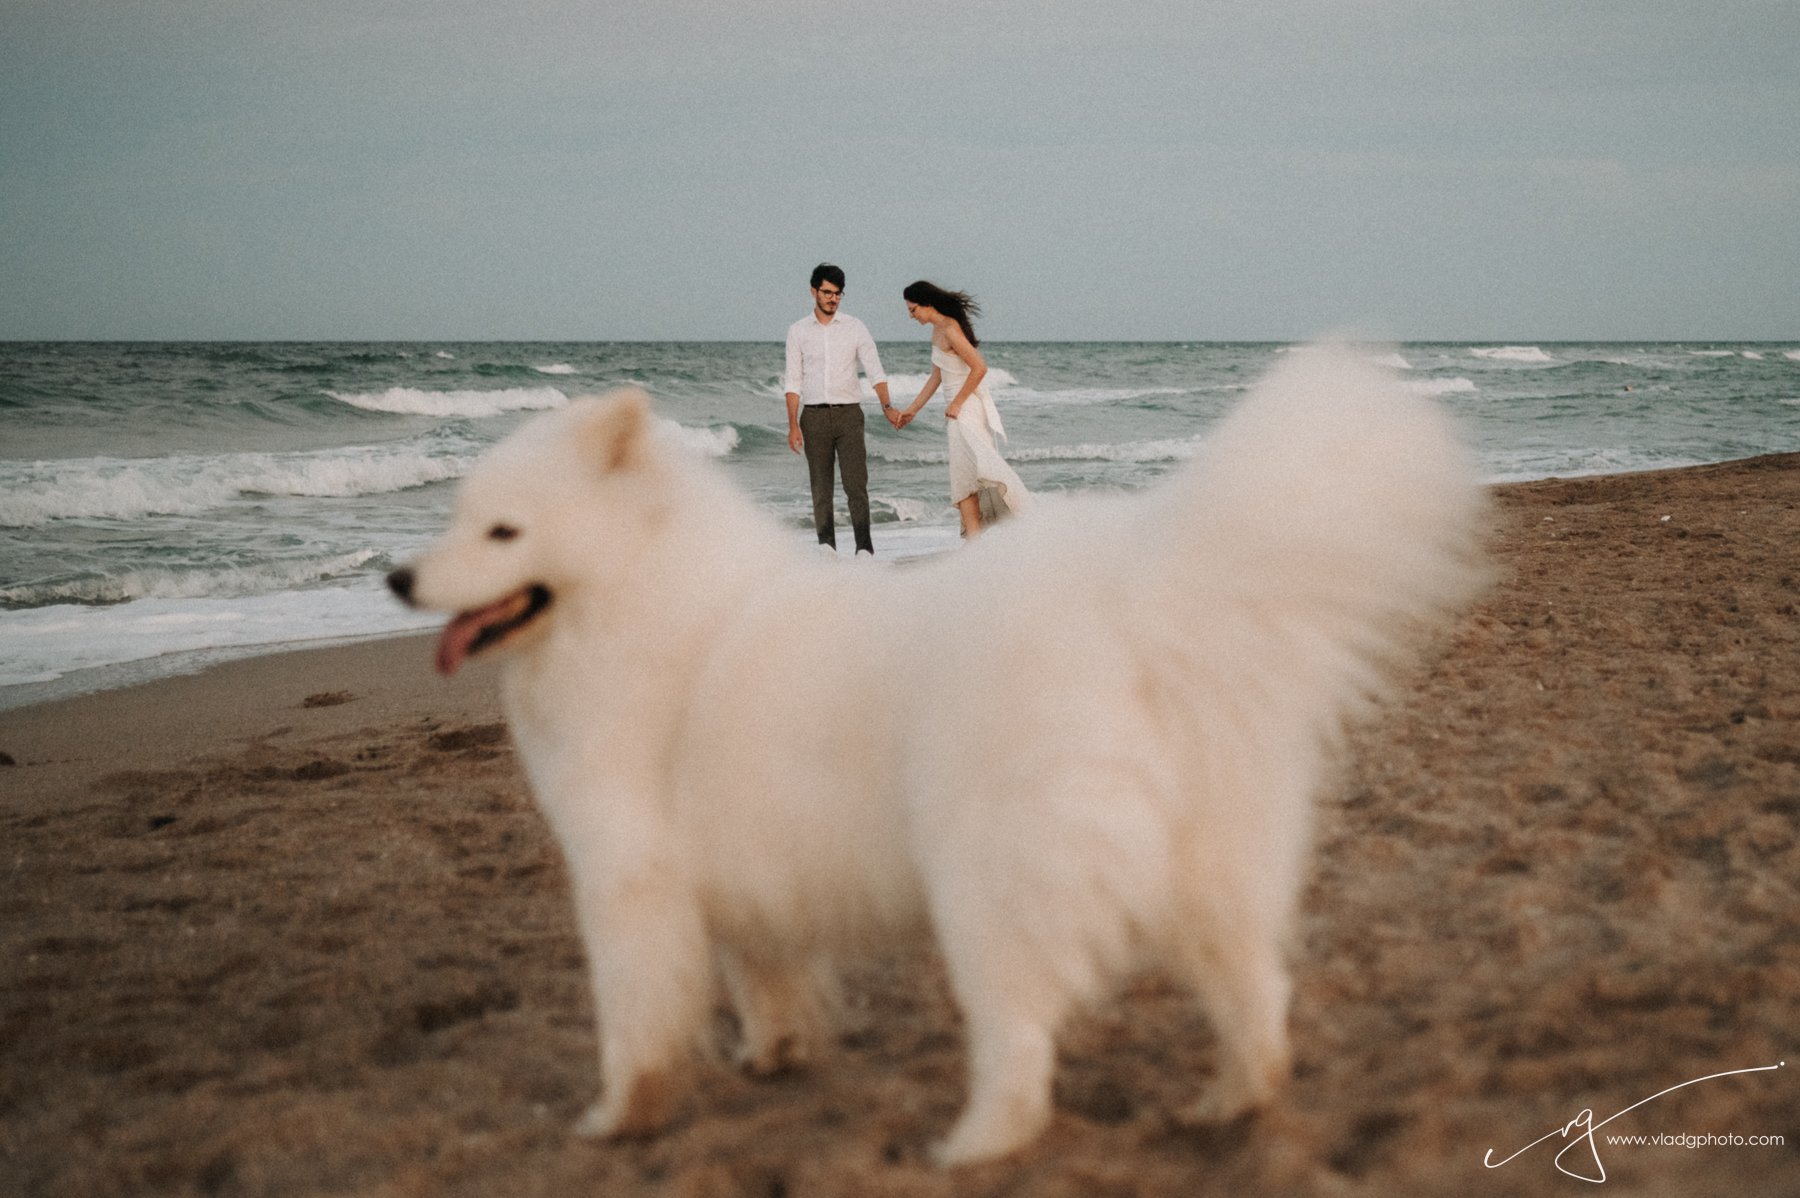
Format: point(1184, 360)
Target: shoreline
point(292, 925)
point(103, 679)
point(183, 663)
point(312, 691)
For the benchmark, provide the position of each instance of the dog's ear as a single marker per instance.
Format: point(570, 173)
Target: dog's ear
point(617, 432)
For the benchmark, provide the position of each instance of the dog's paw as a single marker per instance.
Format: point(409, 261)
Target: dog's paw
point(643, 1108)
point(596, 1123)
point(947, 1153)
point(772, 1056)
point(1219, 1105)
point(1254, 1084)
point(956, 1151)
point(973, 1142)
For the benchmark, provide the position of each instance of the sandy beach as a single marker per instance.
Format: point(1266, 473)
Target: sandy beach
point(292, 926)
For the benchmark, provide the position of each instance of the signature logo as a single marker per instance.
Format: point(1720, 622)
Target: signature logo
point(1585, 1122)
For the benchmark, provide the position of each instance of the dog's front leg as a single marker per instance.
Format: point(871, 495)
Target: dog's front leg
point(651, 976)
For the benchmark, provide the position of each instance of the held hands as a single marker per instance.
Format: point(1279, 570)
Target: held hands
point(900, 418)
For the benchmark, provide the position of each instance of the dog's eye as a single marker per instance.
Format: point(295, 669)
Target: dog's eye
point(502, 532)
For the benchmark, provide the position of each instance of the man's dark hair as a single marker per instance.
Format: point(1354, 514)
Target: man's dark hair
point(825, 272)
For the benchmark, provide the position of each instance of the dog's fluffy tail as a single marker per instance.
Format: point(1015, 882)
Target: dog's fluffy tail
point(1332, 521)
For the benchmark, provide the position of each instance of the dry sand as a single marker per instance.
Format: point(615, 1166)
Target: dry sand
point(293, 927)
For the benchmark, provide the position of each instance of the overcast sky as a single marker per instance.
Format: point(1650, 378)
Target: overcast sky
point(671, 169)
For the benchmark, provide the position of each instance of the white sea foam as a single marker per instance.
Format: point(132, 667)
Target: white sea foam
point(1454, 386)
point(35, 493)
point(1024, 397)
point(1713, 353)
point(1753, 355)
point(558, 368)
point(332, 476)
point(912, 539)
point(903, 387)
point(1512, 353)
point(1168, 450)
point(1791, 354)
point(917, 457)
point(410, 401)
point(1525, 464)
point(446, 354)
point(190, 584)
point(1174, 449)
point(907, 511)
point(44, 643)
point(713, 442)
point(1388, 358)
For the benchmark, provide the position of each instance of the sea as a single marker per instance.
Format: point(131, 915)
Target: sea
point(166, 506)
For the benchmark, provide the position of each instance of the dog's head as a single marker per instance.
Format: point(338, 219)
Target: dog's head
point(531, 521)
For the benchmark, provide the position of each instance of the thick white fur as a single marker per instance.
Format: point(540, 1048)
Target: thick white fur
point(1087, 741)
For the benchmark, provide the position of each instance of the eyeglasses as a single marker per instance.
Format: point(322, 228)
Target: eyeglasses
point(828, 294)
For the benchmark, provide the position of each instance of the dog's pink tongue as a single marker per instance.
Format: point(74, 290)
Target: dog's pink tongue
point(459, 635)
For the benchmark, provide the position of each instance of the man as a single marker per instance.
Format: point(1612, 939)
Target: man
point(824, 403)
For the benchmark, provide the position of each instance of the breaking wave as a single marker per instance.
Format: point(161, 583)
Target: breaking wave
point(188, 584)
point(35, 493)
point(410, 401)
point(1512, 353)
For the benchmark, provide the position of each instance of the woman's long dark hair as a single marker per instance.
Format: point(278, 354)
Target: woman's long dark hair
point(959, 306)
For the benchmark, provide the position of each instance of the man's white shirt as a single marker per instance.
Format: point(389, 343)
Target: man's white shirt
point(822, 360)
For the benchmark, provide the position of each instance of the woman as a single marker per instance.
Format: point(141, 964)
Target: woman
point(982, 486)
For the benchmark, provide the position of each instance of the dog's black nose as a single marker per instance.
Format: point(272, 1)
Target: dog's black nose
point(401, 583)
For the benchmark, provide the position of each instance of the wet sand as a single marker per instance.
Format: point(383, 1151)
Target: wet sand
point(293, 927)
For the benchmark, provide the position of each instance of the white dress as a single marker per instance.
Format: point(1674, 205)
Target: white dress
point(976, 467)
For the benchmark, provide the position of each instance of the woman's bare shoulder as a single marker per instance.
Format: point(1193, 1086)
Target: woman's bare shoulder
point(959, 344)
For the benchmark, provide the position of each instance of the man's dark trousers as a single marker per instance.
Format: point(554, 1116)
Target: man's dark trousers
point(834, 433)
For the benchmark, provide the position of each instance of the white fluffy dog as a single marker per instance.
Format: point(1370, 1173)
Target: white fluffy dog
point(1087, 742)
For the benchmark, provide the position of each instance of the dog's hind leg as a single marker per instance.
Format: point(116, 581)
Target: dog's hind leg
point(1243, 983)
point(1010, 1019)
point(780, 1008)
point(1012, 1058)
point(652, 981)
